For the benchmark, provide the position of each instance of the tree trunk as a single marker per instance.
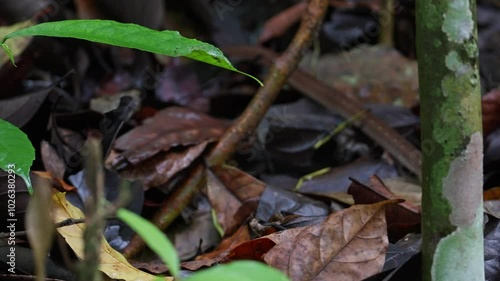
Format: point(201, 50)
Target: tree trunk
point(452, 144)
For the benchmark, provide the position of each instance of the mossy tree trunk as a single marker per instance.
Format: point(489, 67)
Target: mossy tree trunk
point(452, 144)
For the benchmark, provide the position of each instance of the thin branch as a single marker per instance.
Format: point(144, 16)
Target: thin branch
point(279, 73)
point(246, 123)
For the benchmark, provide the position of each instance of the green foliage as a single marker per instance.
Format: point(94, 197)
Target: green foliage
point(15, 148)
point(241, 271)
point(166, 42)
point(159, 243)
point(16, 152)
point(153, 237)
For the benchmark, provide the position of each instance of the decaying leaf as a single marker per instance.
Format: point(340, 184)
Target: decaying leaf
point(113, 264)
point(374, 74)
point(165, 144)
point(164, 165)
point(348, 245)
point(234, 195)
point(402, 218)
point(170, 127)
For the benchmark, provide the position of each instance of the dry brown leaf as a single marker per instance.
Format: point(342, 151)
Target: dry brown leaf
point(221, 252)
point(113, 264)
point(164, 145)
point(171, 127)
point(163, 166)
point(234, 195)
point(373, 74)
point(348, 245)
point(402, 218)
point(379, 186)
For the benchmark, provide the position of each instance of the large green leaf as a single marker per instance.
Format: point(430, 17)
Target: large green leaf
point(166, 42)
point(16, 152)
point(153, 237)
point(240, 271)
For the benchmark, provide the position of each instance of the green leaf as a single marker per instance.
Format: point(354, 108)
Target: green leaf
point(16, 46)
point(241, 271)
point(128, 35)
point(153, 237)
point(16, 152)
point(9, 53)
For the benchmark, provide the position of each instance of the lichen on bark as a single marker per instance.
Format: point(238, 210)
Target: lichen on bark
point(451, 125)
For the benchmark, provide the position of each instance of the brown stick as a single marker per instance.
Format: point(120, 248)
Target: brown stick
point(279, 73)
point(401, 149)
point(246, 123)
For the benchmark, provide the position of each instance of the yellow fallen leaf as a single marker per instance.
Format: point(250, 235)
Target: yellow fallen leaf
point(113, 264)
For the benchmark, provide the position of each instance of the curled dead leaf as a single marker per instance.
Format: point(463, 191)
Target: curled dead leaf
point(348, 245)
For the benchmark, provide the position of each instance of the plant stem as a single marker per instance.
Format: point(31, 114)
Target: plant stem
point(452, 209)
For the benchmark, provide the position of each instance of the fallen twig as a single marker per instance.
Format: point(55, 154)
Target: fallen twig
point(246, 123)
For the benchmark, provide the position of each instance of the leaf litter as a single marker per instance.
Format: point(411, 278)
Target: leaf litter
point(313, 233)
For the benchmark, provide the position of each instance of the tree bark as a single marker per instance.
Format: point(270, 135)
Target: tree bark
point(452, 143)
